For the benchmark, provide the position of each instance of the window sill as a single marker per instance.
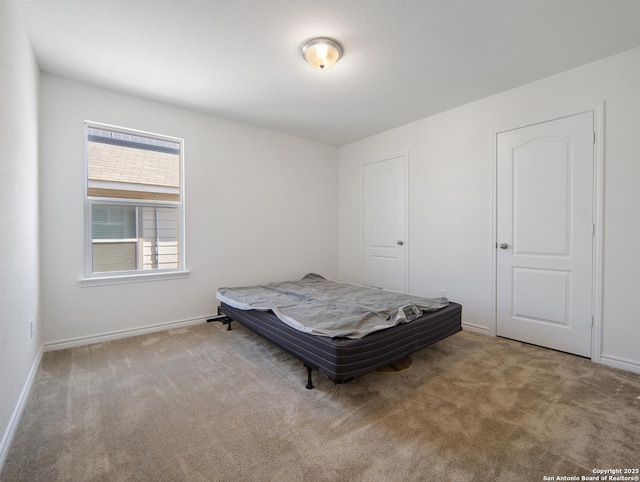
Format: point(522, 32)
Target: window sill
point(132, 278)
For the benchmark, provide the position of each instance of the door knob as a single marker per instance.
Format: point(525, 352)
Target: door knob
point(504, 245)
point(400, 242)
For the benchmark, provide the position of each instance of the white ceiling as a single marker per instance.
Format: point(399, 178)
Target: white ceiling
point(404, 59)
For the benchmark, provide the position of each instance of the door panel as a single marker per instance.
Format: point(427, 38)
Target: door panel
point(384, 224)
point(540, 196)
point(541, 295)
point(545, 233)
point(381, 194)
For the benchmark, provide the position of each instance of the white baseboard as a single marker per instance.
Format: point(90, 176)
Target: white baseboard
point(7, 438)
point(608, 360)
point(115, 335)
point(623, 364)
point(483, 330)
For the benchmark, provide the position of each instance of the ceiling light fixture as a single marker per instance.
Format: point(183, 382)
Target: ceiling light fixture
point(321, 52)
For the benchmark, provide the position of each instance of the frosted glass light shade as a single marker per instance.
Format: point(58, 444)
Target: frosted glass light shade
point(321, 53)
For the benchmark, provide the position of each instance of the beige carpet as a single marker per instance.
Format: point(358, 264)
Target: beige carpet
point(204, 404)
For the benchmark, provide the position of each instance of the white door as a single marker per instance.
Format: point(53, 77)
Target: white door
point(385, 224)
point(545, 176)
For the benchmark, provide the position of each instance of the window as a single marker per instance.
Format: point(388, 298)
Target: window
point(134, 203)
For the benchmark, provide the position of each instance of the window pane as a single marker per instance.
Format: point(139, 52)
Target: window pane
point(114, 257)
point(113, 222)
point(134, 199)
point(132, 166)
point(159, 236)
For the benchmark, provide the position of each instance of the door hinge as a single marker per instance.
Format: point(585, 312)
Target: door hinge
point(593, 321)
point(594, 137)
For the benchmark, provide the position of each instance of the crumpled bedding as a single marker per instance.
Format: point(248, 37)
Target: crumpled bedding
point(316, 305)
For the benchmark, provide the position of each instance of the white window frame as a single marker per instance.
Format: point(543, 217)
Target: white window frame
point(133, 276)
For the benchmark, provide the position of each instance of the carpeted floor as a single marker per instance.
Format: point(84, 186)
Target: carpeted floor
point(204, 404)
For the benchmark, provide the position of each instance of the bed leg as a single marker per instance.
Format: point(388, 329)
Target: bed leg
point(223, 318)
point(309, 382)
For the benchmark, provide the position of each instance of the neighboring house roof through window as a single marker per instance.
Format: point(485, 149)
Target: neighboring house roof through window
point(129, 140)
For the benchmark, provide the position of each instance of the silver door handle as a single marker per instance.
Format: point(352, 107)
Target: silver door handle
point(400, 242)
point(504, 245)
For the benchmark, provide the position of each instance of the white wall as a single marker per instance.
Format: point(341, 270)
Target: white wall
point(260, 206)
point(19, 273)
point(451, 184)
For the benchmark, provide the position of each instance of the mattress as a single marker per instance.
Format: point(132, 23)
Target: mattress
point(343, 359)
point(319, 306)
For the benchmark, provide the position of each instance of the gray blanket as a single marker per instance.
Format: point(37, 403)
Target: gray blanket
point(323, 307)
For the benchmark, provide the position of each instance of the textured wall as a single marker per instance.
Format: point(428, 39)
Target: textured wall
point(259, 206)
point(19, 273)
point(451, 193)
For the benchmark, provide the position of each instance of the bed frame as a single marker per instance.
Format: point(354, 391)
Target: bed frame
point(343, 359)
